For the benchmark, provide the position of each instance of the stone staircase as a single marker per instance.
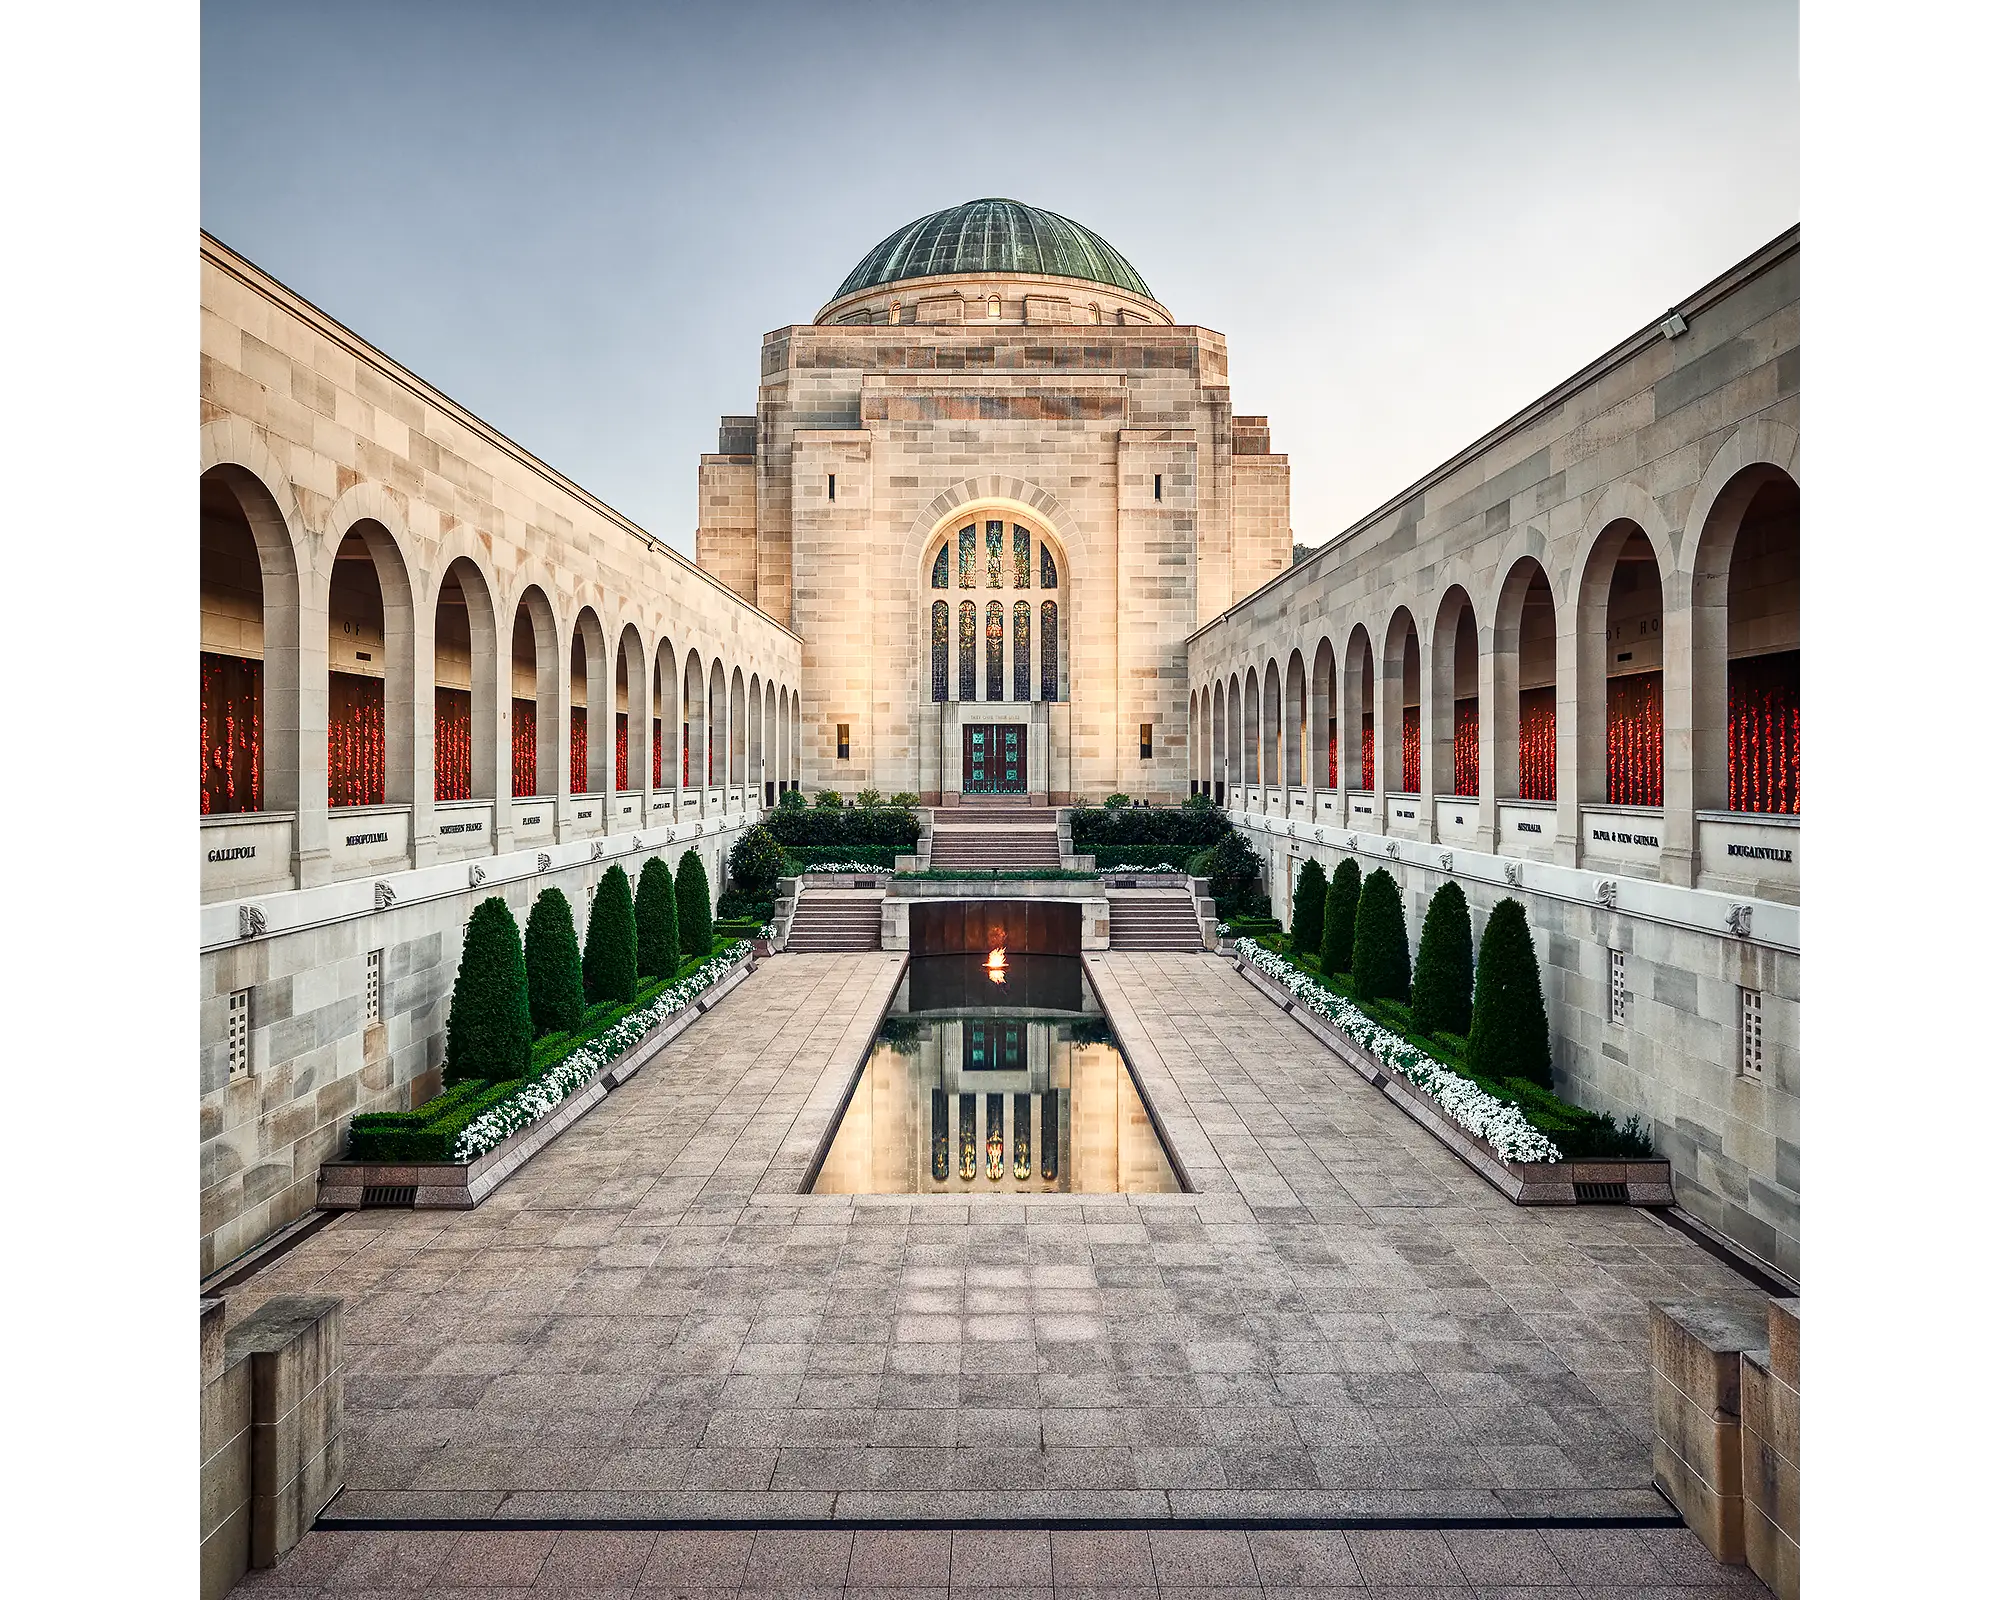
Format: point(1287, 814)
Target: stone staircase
point(991, 845)
point(836, 919)
point(1153, 919)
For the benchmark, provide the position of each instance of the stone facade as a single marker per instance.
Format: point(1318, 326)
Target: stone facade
point(1078, 411)
point(1585, 544)
point(358, 527)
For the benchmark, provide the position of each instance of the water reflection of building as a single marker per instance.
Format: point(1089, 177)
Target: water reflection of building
point(1011, 1099)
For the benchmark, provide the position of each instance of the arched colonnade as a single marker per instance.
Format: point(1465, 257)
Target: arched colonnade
point(1636, 708)
point(343, 680)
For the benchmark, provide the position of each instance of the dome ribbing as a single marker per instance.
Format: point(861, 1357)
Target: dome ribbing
point(994, 236)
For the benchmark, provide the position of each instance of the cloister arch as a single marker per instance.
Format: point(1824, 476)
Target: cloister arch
point(464, 675)
point(754, 714)
point(1524, 684)
point(718, 727)
point(1295, 720)
point(633, 724)
point(1325, 716)
point(666, 716)
point(535, 716)
point(1402, 700)
point(589, 703)
point(1233, 742)
point(798, 731)
point(250, 705)
point(1454, 693)
point(770, 767)
point(1745, 655)
point(1357, 712)
point(371, 671)
point(1270, 724)
point(1620, 655)
point(1253, 743)
point(738, 741)
point(1218, 742)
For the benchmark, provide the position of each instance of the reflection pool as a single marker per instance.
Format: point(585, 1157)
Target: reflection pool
point(995, 1076)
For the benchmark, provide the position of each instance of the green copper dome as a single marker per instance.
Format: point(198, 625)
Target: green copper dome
point(994, 236)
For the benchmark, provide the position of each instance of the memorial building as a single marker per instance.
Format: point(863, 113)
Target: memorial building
point(993, 486)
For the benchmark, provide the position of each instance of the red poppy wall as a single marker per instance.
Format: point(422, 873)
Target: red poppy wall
point(451, 750)
point(354, 751)
point(1465, 748)
point(624, 762)
point(524, 749)
point(232, 734)
point(1413, 749)
point(579, 750)
point(1538, 744)
point(1632, 740)
point(1764, 733)
point(1368, 750)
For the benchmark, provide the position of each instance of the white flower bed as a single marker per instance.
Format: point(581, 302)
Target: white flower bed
point(493, 1127)
point(847, 866)
point(1501, 1124)
point(1160, 866)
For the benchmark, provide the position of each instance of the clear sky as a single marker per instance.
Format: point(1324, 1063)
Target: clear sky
point(1409, 219)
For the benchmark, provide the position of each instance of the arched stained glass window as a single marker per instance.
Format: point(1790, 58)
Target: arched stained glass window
point(996, 650)
point(968, 553)
point(968, 650)
point(993, 532)
point(940, 649)
point(1048, 569)
point(1021, 649)
point(941, 568)
point(1048, 642)
point(1020, 556)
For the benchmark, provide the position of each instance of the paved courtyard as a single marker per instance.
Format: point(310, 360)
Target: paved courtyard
point(650, 1323)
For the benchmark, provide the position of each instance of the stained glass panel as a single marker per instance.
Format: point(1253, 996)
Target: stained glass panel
point(1020, 556)
point(1048, 644)
point(968, 553)
point(1048, 569)
point(941, 568)
point(968, 650)
point(940, 651)
point(996, 650)
point(1021, 649)
point(994, 531)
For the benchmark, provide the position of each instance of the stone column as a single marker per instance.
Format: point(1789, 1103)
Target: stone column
point(1496, 672)
point(312, 854)
point(419, 720)
point(1579, 727)
point(498, 751)
point(1677, 731)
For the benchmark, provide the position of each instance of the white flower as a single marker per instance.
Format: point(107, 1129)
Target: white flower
point(1500, 1123)
point(494, 1126)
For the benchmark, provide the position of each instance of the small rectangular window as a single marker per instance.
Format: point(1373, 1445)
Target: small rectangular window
point(1618, 988)
point(829, 486)
point(371, 1004)
point(1145, 741)
point(1156, 486)
point(840, 740)
point(1752, 1065)
point(239, 1033)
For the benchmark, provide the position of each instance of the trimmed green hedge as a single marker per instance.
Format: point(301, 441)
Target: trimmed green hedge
point(1308, 907)
point(802, 857)
point(1581, 1135)
point(1111, 857)
point(487, 1031)
point(1098, 829)
point(1381, 940)
point(1336, 936)
point(430, 1133)
point(659, 920)
point(697, 911)
point(1510, 1024)
point(555, 967)
point(846, 827)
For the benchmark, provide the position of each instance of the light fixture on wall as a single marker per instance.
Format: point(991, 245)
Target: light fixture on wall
point(1674, 326)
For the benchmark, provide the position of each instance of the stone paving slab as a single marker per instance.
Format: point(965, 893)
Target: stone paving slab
point(1023, 1564)
point(651, 1323)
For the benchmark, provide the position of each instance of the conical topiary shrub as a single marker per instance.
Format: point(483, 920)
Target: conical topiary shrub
point(555, 966)
point(1381, 941)
point(659, 921)
point(486, 1035)
point(1336, 934)
point(1441, 990)
point(611, 946)
point(1308, 907)
point(1510, 1026)
point(696, 909)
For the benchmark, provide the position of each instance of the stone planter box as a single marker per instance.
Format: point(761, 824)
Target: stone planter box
point(1615, 1181)
point(461, 1186)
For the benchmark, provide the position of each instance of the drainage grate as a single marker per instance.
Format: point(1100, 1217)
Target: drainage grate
point(405, 1194)
point(1603, 1194)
